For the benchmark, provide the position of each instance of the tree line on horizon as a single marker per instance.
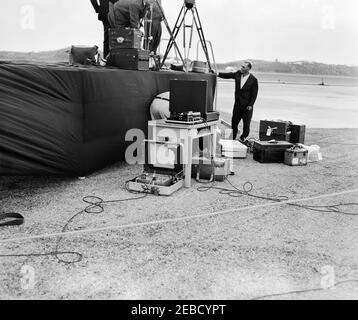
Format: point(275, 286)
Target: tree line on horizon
point(301, 67)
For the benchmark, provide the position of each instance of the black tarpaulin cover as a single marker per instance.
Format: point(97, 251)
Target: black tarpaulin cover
point(72, 121)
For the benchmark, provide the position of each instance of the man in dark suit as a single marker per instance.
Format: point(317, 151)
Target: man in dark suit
point(102, 8)
point(245, 97)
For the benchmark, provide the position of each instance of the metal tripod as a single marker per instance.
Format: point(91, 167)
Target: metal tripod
point(172, 38)
point(179, 23)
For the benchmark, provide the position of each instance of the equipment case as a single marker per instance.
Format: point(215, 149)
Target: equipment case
point(161, 176)
point(124, 38)
point(296, 156)
point(298, 133)
point(138, 184)
point(266, 152)
point(130, 59)
point(275, 130)
point(206, 169)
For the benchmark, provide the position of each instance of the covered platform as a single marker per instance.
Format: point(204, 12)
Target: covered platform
point(72, 121)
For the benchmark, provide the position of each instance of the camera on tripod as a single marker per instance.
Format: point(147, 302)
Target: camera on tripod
point(189, 3)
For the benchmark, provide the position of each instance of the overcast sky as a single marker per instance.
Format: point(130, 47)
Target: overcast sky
point(288, 30)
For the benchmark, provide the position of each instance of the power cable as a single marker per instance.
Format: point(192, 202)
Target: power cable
point(248, 187)
point(95, 206)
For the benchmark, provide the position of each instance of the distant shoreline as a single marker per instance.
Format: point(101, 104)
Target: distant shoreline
point(301, 74)
point(304, 79)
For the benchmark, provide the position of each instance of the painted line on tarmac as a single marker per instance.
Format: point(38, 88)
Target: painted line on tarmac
point(166, 221)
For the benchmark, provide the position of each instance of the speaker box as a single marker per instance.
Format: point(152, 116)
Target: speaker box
point(190, 95)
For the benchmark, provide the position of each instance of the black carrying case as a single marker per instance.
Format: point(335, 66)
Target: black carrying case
point(298, 133)
point(129, 59)
point(266, 152)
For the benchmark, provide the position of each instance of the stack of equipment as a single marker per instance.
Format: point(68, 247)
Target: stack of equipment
point(296, 156)
point(189, 117)
point(125, 49)
point(192, 95)
point(270, 152)
point(233, 149)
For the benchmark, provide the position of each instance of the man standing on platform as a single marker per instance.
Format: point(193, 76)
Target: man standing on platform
point(102, 8)
point(245, 97)
point(156, 25)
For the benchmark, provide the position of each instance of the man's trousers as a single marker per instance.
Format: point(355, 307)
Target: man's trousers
point(241, 113)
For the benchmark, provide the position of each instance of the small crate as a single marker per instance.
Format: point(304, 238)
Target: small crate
point(296, 156)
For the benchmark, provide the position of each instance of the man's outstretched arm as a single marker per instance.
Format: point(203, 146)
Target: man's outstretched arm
point(226, 75)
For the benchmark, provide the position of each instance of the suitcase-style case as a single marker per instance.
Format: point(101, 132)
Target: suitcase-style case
point(274, 130)
point(124, 38)
point(274, 127)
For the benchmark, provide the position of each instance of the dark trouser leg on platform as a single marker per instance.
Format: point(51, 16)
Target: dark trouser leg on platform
point(157, 35)
point(246, 117)
point(106, 27)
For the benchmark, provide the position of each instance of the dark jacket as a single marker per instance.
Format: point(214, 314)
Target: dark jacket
point(247, 95)
point(102, 8)
point(127, 13)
